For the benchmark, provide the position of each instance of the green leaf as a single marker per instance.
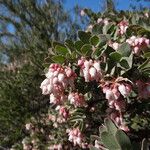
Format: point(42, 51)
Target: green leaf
point(55, 43)
point(124, 49)
point(109, 141)
point(125, 63)
point(97, 53)
point(111, 127)
point(138, 30)
point(109, 50)
point(123, 140)
point(146, 64)
point(115, 56)
point(69, 43)
point(86, 49)
point(84, 36)
point(108, 28)
point(103, 39)
point(97, 29)
point(94, 40)
point(58, 59)
point(61, 50)
point(78, 45)
point(102, 129)
point(147, 55)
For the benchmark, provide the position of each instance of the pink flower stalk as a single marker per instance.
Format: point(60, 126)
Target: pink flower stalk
point(77, 99)
point(143, 89)
point(75, 136)
point(58, 79)
point(123, 25)
point(90, 69)
point(138, 44)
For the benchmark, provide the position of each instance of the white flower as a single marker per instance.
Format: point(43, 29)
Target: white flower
point(115, 45)
point(82, 13)
point(86, 75)
point(61, 77)
point(49, 74)
point(55, 80)
point(110, 95)
point(87, 64)
point(92, 72)
point(28, 126)
point(44, 83)
point(124, 89)
point(97, 66)
point(52, 98)
point(99, 20)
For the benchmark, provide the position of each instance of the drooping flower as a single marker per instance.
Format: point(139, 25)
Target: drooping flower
point(138, 44)
point(64, 112)
point(77, 99)
point(90, 69)
point(124, 89)
point(58, 79)
point(123, 25)
point(75, 136)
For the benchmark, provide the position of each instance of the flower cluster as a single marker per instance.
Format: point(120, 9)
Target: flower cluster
point(123, 25)
point(103, 21)
point(138, 44)
point(90, 69)
point(77, 99)
point(115, 92)
point(75, 136)
point(58, 79)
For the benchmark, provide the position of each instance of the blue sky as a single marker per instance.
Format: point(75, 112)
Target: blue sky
point(95, 4)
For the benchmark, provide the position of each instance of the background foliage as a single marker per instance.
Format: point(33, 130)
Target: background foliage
point(26, 30)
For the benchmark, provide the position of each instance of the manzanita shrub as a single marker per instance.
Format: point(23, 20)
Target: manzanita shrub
point(98, 86)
